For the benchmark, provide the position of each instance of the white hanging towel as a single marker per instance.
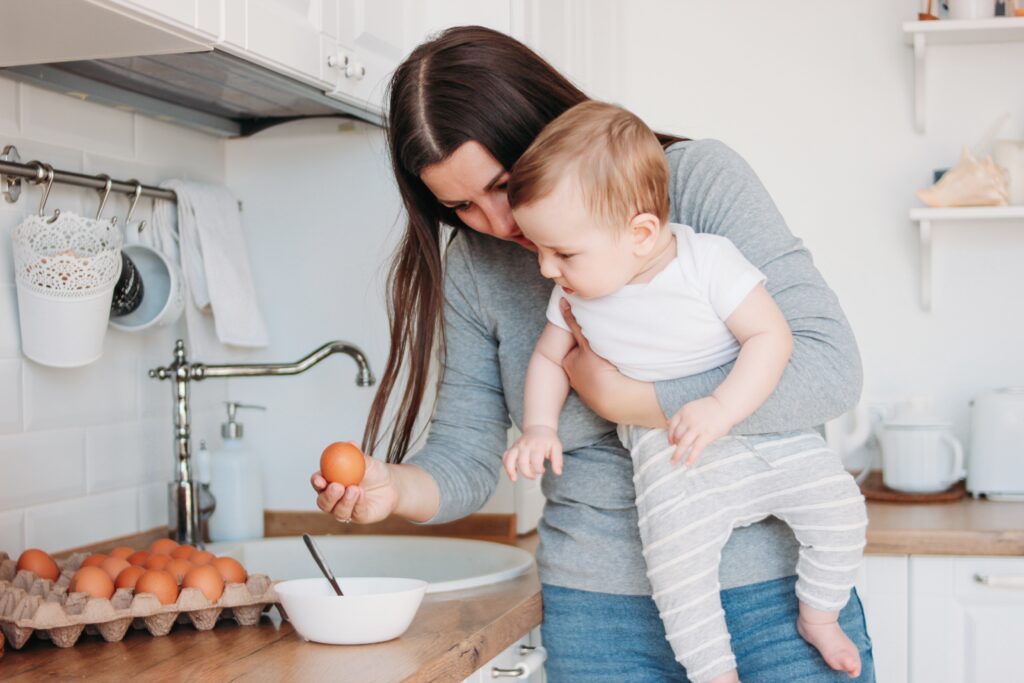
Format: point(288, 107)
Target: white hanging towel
point(216, 268)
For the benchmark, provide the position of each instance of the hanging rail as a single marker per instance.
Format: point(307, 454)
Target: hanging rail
point(12, 172)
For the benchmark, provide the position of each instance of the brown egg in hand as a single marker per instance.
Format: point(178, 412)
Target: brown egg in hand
point(93, 581)
point(39, 563)
point(159, 583)
point(343, 463)
point(207, 579)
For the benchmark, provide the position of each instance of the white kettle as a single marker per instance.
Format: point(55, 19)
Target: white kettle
point(995, 464)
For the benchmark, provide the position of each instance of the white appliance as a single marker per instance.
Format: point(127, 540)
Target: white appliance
point(995, 465)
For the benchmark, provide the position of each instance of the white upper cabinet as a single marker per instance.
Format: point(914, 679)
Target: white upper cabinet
point(376, 35)
point(283, 35)
point(347, 48)
point(37, 32)
point(204, 17)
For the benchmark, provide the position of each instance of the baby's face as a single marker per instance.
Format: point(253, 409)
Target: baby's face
point(583, 256)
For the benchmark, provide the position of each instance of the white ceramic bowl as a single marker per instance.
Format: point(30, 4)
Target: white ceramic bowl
point(372, 609)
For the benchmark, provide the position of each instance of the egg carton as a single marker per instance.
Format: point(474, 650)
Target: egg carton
point(30, 604)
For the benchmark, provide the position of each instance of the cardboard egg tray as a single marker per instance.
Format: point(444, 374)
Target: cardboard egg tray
point(30, 604)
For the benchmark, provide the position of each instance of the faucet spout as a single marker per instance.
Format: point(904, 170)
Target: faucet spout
point(364, 377)
point(184, 492)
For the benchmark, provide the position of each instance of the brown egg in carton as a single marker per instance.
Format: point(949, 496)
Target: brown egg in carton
point(30, 604)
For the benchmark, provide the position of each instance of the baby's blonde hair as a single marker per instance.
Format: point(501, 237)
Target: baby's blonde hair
point(617, 161)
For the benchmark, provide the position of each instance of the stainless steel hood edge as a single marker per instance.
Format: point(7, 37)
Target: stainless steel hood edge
point(211, 91)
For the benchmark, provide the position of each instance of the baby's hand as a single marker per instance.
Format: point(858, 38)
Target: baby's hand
point(697, 424)
point(530, 450)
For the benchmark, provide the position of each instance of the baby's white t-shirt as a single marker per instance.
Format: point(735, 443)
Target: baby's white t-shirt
point(672, 326)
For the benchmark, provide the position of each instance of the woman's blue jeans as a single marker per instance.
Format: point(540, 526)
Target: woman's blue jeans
point(604, 638)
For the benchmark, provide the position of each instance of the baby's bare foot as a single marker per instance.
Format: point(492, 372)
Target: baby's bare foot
point(835, 647)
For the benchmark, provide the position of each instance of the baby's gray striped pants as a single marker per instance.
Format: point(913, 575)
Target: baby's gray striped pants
point(687, 514)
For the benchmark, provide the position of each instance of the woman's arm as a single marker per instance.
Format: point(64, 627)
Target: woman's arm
point(715, 191)
point(469, 425)
point(457, 469)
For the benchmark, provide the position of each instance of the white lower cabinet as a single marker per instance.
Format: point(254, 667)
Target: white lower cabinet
point(931, 620)
point(882, 587)
point(963, 630)
point(500, 668)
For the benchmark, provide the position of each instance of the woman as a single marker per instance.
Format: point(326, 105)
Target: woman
point(463, 107)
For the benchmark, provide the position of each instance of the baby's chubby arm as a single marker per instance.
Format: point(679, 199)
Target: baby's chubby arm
point(766, 344)
point(546, 388)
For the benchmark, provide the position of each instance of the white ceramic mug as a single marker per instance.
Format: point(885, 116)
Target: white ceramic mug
point(972, 9)
point(920, 458)
point(163, 295)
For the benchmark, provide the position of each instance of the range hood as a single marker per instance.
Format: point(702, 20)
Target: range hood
point(209, 90)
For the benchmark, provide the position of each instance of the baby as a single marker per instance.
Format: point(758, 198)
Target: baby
point(661, 301)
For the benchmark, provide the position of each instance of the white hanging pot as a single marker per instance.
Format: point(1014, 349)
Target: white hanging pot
point(65, 272)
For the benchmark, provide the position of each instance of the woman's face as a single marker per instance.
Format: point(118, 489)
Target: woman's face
point(475, 184)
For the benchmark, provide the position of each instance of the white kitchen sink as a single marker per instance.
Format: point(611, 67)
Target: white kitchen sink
point(446, 564)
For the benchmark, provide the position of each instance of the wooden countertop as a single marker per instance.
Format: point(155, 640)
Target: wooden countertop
point(454, 633)
point(966, 527)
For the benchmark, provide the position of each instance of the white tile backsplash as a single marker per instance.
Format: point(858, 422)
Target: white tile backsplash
point(122, 455)
point(8, 108)
point(86, 453)
point(12, 532)
point(41, 467)
point(102, 392)
point(152, 506)
point(10, 397)
point(71, 523)
point(91, 128)
point(10, 340)
point(9, 217)
point(181, 152)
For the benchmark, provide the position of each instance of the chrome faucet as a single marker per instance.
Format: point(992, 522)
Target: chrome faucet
point(183, 492)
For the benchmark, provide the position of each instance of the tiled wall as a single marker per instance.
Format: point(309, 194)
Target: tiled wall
point(86, 453)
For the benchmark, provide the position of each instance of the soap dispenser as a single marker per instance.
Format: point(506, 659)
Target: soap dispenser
point(236, 482)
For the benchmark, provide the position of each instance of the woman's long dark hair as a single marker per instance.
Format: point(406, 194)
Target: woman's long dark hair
point(469, 83)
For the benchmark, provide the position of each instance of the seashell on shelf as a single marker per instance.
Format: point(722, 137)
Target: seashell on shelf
point(969, 183)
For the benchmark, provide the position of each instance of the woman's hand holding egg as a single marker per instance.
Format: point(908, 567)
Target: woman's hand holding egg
point(371, 498)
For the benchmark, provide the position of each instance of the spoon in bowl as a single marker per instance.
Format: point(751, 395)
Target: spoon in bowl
point(321, 562)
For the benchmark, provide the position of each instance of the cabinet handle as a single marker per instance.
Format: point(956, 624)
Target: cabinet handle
point(337, 60)
point(531, 661)
point(1000, 581)
point(355, 71)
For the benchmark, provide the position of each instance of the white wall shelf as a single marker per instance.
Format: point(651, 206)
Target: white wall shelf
point(921, 34)
point(926, 217)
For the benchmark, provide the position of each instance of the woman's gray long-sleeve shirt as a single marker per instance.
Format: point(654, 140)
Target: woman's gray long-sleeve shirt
point(495, 300)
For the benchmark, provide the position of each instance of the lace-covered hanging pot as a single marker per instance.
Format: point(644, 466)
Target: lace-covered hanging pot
point(65, 273)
